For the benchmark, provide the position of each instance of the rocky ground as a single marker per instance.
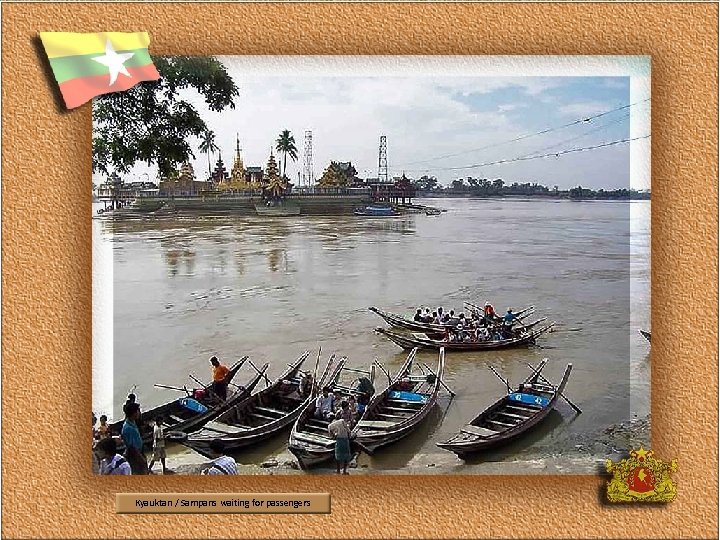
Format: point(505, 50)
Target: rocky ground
point(616, 439)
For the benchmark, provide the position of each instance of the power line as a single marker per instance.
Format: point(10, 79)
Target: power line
point(535, 156)
point(528, 135)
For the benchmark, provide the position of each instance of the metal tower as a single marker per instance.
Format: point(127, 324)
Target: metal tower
point(308, 174)
point(382, 160)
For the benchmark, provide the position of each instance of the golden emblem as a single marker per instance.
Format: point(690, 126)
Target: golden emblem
point(641, 478)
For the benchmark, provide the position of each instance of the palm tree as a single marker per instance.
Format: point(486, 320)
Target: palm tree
point(286, 145)
point(208, 146)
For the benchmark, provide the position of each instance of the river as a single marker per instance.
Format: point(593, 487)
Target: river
point(177, 290)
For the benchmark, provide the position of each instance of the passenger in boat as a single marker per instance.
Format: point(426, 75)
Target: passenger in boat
point(353, 406)
point(306, 383)
point(483, 334)
point(340, 431)
point(347, 414)
point(111, 462)
point(133, 441)
point(441, 315)
point(427, 316)
point(219, 384)
point(509, 319)
point(158, 446)
point(435, 318)
point(103, 430)
point(94, 431)
point(325, 404)
point(451, 318)
point(419, 316)
point(405, 384)
point(489, 313)
point(222, 464)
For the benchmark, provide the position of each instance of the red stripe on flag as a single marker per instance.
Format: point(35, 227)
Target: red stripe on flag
point(75, 92)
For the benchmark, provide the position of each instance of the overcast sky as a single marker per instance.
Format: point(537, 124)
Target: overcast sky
point(433, 124)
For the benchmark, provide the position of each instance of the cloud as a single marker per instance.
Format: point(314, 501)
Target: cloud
point(423, 117)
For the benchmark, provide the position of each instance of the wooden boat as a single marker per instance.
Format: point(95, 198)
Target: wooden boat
point(401, 407)
point(260, 416)
point(423, 341)
point(510, 416)
point(190, 413)
point(310, 441)
point(433, 212)
point(399, 321)
point(645, 334)
point(376, 211)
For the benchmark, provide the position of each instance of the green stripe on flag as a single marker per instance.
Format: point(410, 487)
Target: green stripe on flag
point(71, 67)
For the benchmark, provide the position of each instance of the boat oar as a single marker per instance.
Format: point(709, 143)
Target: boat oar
point(501, 378)
point(445, 386)
point(183, 389)
point(543, 379)
point(267, 381)
point(382, 368)
point(317, 363)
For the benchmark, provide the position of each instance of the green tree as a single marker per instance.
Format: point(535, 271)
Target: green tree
point(286, 145)
point(153, 121)
point(208, 146)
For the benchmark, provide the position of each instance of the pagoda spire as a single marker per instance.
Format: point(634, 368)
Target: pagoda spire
point(237, 174)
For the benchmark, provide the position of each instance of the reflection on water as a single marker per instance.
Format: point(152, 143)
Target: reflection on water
point(188, 287)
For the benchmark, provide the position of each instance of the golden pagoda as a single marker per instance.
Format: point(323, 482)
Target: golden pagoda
point(237, 175)
point(273, 183)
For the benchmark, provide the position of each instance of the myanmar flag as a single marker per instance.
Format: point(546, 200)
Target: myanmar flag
point(88, 65)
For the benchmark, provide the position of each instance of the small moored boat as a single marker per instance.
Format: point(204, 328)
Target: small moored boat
point(376, 211)
point(310, 441)
point(401, 407)
point(523, 337)
point(190, 413)
point(510, 416)
point(260, 416)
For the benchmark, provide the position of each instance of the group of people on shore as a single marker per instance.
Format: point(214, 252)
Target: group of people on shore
point(477, 327)
point(108, 461)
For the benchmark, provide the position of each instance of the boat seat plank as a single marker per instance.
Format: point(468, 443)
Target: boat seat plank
point(312, 438)
point(264, 417)
point(375, 424)
point(225, 428)
point(501, 423)
point(269, 410)
point(387, 415)
point(529, 410)
point(419, 404)
point(511, 415)
point(401, 409)
point(474, 430)
point(175, 419)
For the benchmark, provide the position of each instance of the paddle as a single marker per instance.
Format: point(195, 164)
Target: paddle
point(317, 364)
point(500, 377)
point(267, 381)
point(445, 386)
point(577, 409)
point(183, 389)
point(386, 372)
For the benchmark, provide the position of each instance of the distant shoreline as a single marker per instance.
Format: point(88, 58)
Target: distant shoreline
point(562, 197)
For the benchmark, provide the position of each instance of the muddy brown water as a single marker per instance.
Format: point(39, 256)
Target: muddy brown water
point(188, 287)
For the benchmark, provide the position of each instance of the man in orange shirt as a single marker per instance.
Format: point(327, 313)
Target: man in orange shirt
point(220, 372)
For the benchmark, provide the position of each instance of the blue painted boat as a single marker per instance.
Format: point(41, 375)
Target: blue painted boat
point(376, 211)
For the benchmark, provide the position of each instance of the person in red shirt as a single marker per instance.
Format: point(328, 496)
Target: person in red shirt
point(219, 384)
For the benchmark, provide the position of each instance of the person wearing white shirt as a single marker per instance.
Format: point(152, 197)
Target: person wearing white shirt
point(223, 464)
point(112, 462)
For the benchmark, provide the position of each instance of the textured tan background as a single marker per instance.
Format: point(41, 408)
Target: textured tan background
point(48, 489)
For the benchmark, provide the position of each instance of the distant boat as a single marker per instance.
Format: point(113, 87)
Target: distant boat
point(645, 334)
point(376, 211)
point(279, 210)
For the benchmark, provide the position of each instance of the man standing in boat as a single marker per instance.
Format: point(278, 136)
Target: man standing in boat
point(220, 372)
point(508, 321)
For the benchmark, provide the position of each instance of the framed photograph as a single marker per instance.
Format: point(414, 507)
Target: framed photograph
point(376, 250)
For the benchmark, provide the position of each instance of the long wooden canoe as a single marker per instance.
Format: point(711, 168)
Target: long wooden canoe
point(310, 441)
point(179, 416)
point(258, 417)
point(423, 341)
point(401, 407)
point(510, 416)
point(399, 321)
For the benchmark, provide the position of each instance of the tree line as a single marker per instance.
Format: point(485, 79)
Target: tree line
point(484, 187)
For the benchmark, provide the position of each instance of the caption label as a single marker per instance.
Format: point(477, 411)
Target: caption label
point(222, 503)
